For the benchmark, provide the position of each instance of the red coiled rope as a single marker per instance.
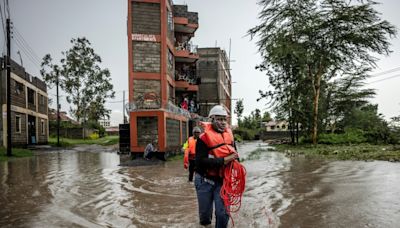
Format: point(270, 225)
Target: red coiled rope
point(233, 186)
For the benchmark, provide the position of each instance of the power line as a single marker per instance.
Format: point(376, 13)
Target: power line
point(384, 79)
point(385, 72)
point(27, 54)
point(26, 49)
point(26, 44)
point(113, 102)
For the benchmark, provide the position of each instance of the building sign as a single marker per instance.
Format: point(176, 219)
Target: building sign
point(144, 37)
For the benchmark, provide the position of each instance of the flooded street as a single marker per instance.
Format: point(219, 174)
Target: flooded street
point(83, 188)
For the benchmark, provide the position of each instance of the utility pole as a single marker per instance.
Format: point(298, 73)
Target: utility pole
point(123, 107)
point(9, 141)
point(58, 113)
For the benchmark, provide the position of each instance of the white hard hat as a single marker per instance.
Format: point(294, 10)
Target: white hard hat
point(218, 110)
point(196, 129)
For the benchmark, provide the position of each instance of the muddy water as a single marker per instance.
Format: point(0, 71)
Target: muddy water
point(85, 187)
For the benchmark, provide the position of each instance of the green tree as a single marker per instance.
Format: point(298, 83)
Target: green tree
point(86, 84)
point(367, 119)
point(266, 117)
point(323, 38)
point(239, 108)
point(343, 95)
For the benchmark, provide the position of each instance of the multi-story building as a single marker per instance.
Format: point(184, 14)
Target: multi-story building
point(163, 84)
point(105, 122)
point(29, 109)
point(213, 68)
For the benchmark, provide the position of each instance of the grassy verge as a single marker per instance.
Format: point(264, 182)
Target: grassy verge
point(105, 141)
point(344, 152)
point(175, 157)
point(16, 153)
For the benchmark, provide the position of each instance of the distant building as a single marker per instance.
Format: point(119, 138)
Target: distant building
point(281, 125)
point(216, 82)
point(112, 130)
point(29, 112)
point(63, 117)
point(106, 123)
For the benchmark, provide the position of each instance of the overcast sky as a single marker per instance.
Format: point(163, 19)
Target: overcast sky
point(47, 26)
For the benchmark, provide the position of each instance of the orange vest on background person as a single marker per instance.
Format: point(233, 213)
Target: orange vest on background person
point(190, 151)
point(220, 145)
point(191, 147)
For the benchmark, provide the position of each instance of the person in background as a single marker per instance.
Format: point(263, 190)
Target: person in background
point(184, 104)
point(214, 149)
point(190, 151)
point(150, 150)
point(192, 106)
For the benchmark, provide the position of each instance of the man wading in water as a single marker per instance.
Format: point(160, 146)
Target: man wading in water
point(215, 150)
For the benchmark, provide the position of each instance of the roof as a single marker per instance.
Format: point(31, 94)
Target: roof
point(63, 116)
point(274, 123)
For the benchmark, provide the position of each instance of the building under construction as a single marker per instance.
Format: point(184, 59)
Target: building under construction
point(164, 80)
point(213, 68)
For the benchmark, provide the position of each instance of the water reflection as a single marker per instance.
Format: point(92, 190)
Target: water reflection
point(86, 188)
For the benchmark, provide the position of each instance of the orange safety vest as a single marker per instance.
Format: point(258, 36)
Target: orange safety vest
point(190, 151)
point(191, 147)
point(220, 145)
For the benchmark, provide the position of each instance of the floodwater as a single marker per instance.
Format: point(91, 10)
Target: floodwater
point(86, 187)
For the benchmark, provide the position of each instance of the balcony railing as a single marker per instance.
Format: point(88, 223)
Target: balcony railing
point(171, 107)
point(135, 106)
point(188, 46)
point(188, 76)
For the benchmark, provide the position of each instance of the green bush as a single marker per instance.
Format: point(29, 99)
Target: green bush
point(238, 138)
point(97, 126)
point(349, 136)
point(94, 136)
point(245, 134)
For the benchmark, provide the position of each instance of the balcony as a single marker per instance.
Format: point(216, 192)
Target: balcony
point(187, 101)
point(186, 73)
point(171, 107)
point(186, 52)
point(184, 21)
point(188, 77)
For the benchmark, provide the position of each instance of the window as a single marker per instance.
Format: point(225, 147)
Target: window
point(17, 124)
point(19, 88)
point(42, 126)
point(31, 96)
point(41, 99)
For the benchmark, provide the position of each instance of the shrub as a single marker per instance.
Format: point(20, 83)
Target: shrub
point(96, 125)
point(94, 136)
point(238, 138)
point(349, 136)
point(245, 134)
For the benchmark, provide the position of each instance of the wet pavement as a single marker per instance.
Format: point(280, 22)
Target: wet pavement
point(86, 187)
